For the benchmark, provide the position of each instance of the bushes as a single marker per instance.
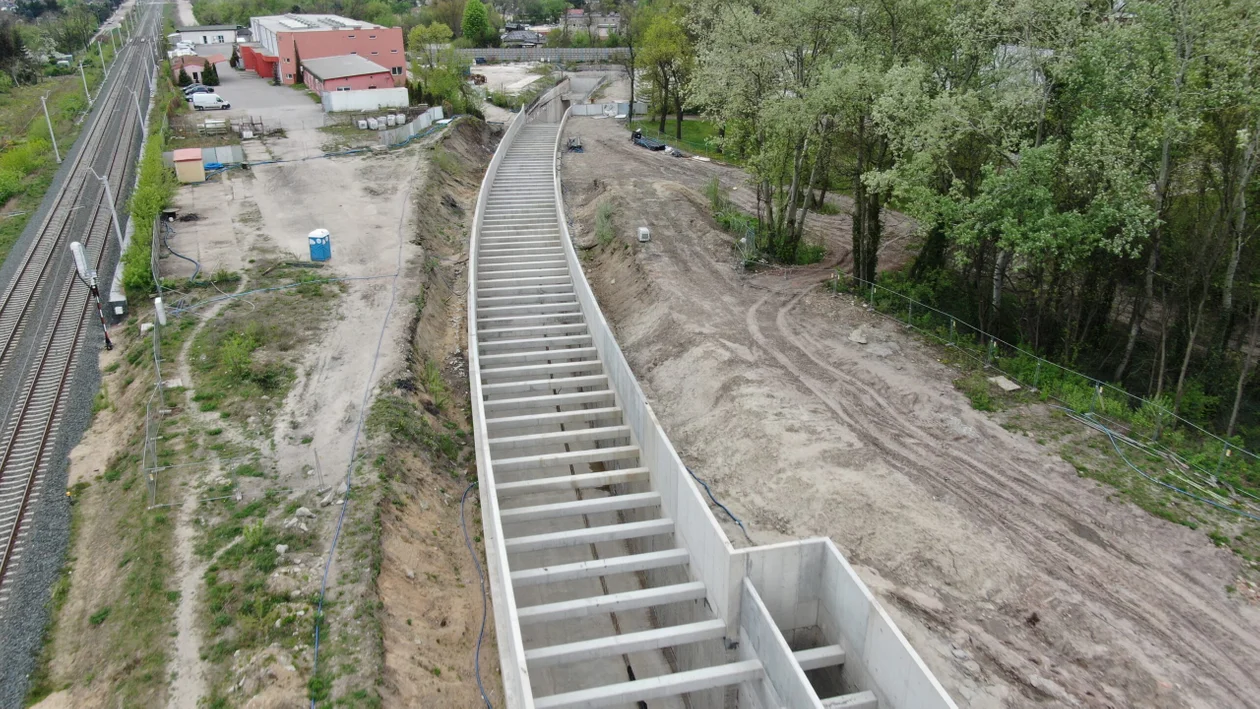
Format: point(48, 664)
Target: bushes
point(156, 187)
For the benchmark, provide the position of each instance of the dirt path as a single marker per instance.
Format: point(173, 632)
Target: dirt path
point(185, 15)
point(1019, 582)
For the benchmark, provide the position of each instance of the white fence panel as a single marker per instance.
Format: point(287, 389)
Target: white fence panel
point(364, 99)
point(412, 129)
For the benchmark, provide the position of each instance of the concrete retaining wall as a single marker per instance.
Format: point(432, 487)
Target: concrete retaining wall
point(516, 686)
point(364, 100)
point(681, 500)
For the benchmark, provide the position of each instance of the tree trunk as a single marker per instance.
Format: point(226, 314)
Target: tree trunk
point(630, 71)
point(1249, 359)
point(999, 274)
point(1163, 347)
point(787, 232)
point(664, 101)
point(1185, 361)
point(678, 103)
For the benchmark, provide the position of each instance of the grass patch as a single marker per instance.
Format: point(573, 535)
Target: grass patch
point(603, 223)
point(698, 136)
point(99, 617)
point(243, 360)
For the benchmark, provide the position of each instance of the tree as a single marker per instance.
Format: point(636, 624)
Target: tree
point(426, 43)
point(184, 79)
point(210, 75)
point(475, 23)
point(235, 60)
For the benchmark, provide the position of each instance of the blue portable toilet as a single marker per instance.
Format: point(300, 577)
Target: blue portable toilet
point(321, 245)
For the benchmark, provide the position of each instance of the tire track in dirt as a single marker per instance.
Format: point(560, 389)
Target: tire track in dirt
point(1004, 501)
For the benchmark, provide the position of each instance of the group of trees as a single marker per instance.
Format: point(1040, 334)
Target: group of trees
point(1081, 173)
point(39, 27)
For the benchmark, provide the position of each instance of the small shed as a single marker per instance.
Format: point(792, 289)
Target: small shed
point(188, 165)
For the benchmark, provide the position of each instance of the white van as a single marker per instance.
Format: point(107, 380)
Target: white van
point(212, 101)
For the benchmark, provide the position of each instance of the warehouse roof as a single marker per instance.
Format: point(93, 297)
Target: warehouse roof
point(326, 68)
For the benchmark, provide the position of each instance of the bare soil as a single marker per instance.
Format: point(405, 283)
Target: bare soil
point(1018, 581)
point(371, 203)
point(431, 610)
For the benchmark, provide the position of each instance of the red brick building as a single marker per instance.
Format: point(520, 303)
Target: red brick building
point(282, 40)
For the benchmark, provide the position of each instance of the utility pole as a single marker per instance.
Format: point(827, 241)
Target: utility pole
point(53, 136)
point(89, 276)
point(109, 198)
point(144, 129)
point(87, 93)
point(101, 52)
point(113, 41)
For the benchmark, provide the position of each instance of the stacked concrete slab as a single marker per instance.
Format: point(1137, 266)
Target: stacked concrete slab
point(612, 583)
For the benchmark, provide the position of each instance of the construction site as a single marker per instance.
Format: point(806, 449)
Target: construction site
point(536, 433)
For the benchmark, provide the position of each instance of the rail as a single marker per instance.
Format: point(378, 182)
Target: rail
point(30, 430)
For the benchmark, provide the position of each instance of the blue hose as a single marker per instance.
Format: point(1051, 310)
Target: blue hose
point(482, 578)
point(1115, 444)
point(734, 519)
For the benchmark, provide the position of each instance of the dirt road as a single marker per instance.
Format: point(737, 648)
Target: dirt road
point(1021, 583)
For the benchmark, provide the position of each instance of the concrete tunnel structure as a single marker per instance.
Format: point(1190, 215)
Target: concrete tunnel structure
point(612, 583)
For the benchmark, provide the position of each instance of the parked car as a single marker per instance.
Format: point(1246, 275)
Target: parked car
point(202, 102)
point(191, 88)
point(199, 90)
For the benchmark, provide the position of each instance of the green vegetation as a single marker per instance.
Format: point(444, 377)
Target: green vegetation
point(752, 236)
point(603, 223)
point(154, 190)
point(698, 136)
point(27, 162)
point(476, 24)
point(238, 608)
point(1080, 184)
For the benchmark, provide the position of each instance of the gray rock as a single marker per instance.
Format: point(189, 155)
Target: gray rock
point(303, 512)
point(858, 336)
point(281, 549)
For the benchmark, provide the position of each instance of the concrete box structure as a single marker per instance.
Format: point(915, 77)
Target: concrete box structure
point(188, 165)
point(345, 73)
point(207, 34)
point(281, 41)
point(612, 581)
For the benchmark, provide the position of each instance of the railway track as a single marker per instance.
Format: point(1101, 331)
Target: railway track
point(44, 314)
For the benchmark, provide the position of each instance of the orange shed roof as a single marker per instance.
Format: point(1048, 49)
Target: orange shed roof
point(187, 155)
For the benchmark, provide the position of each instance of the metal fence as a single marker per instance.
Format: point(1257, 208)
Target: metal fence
point(1147, 424)
point(544, 54)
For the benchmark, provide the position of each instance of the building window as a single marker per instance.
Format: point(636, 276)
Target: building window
point(349, 36)
point(288, 76)
point(393, 51)
point(287, 60)
point(371, 36)
point(375, 53)
point(397, 70)
point(343, 88)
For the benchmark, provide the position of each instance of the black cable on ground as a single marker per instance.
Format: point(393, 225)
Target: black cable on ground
point(734, 519)
point(1115, 443)
point(482, 578)
point(196, 266)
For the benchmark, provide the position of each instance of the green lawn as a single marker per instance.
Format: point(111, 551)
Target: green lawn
point(695, 134)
